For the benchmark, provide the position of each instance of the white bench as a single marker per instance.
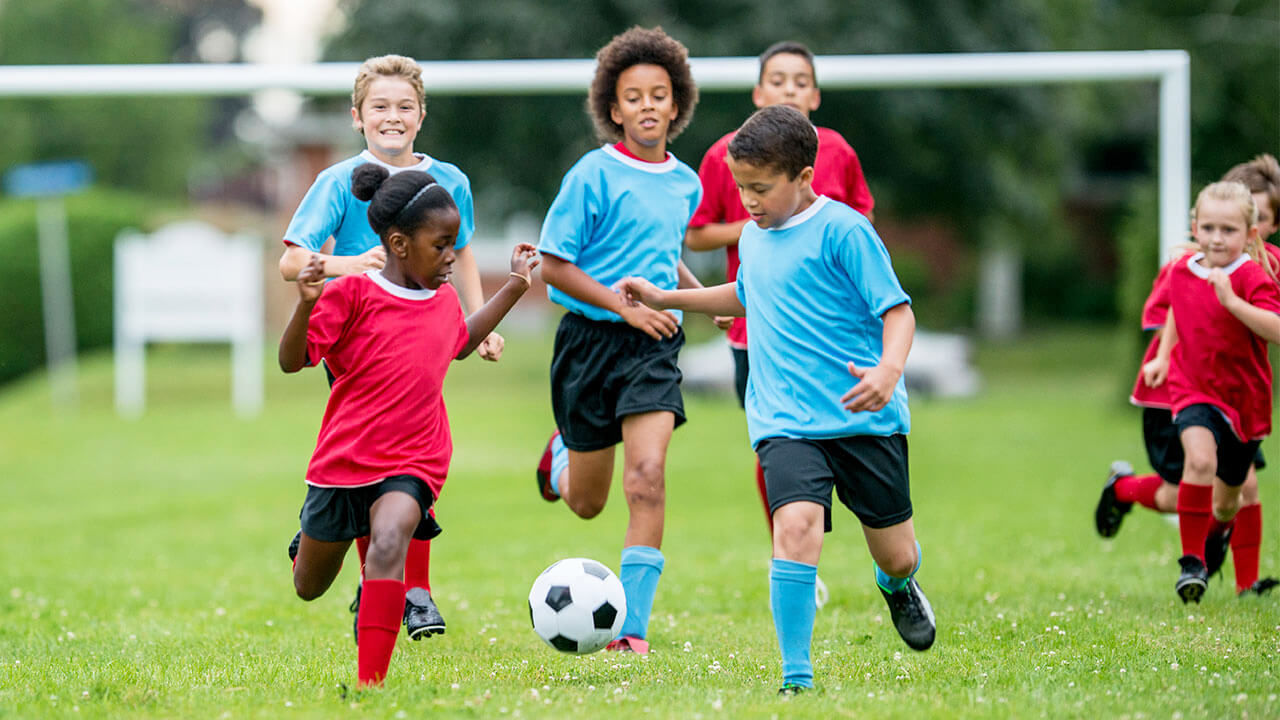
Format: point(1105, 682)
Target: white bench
point(188, 282)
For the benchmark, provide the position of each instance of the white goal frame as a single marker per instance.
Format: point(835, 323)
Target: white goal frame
point(1170, 68)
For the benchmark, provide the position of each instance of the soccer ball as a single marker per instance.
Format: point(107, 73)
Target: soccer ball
point(577, 606)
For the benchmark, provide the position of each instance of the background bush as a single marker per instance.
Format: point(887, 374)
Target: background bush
point(94, 219)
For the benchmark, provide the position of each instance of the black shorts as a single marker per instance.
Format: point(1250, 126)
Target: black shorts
point(1234, 457)
point(869, 473)
point(1164, 444)
point(334, 514)
point(740, 373)
point(604, 371)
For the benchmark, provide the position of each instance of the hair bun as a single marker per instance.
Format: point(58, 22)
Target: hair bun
point(366, 179)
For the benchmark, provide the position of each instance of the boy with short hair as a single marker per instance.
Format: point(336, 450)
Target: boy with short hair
point(817, 286)
point(786, 78)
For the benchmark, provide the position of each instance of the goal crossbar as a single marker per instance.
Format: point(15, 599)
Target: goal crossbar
point(1169, 68)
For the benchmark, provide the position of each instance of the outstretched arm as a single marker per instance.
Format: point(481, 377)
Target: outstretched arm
point(714, 300)
point(875, 385)
point(466, 278)
point(296, 257)
point(293, 343)
point(713, 235)
point(480, 324)
point(571, 280)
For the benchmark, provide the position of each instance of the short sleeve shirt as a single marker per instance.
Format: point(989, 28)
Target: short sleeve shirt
point(1218, 360)
point(814, 290)
point(389, 348)
point(616, 216)
point(837, 173)
point(331, 209)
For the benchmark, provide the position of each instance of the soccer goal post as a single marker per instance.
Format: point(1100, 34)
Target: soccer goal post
point(1169, 68)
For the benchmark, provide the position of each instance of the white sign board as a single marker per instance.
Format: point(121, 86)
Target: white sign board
point(188, 282)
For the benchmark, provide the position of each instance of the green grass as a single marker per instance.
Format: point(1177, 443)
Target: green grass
point(144, 570)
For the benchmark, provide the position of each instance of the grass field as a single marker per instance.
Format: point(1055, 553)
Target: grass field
point(145, 575)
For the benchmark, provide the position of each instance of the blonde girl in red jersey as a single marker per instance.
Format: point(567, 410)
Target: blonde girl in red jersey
point(382, 455)
point(1225, 308)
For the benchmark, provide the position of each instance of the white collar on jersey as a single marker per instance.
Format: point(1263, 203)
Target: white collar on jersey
point(805, 214)
point(650, 167)
point(399, 291)
point(424, 162)
point(1193, 264)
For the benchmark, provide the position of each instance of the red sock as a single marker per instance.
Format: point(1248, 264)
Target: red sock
point(362, 549)
point(1195, 515)
point(1138, 488)
point(1245, 540)
point(417, 565)
point(381, 611)
point(764, 496)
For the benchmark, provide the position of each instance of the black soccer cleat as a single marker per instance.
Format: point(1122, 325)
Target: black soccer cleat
point(421, 616)
point(1215, 550)
point(1260, 587)
point(1110, 512)
point(912, 615)
point(354, 607)
point(792, 689)
point(1193, 580)
point(293, 546)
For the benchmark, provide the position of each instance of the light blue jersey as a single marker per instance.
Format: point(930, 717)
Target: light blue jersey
point(330, 209)
point(615, 217)
point(814, 290)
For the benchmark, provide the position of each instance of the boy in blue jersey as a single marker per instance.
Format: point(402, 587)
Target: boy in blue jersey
point(622, 210)
point(388, 105)
point(826, 310)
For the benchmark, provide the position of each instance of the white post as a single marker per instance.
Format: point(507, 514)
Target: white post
point(1175, 155)
point(129, 346)
point(55, 296)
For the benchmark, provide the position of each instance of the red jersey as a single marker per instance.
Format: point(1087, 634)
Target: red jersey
point(389, 348)
point(1218, 360)
point(1154, 312)
point(836, 174)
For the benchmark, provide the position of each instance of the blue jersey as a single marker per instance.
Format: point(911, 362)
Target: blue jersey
point(615, 217)
point(330, 209)
point(814, 290)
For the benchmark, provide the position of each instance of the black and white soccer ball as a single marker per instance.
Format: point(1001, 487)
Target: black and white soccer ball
point(577, 605)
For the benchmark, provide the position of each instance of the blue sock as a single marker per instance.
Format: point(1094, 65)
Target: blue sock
point(791, 598)
point(891, 584)
point(641, 568)
point(559, 461)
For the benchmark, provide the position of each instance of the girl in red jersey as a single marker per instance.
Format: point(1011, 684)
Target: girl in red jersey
point(1225, 308)
point(384, 446)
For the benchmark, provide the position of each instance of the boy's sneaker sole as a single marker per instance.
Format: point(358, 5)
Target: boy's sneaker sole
point(1110, 511)
point(544, 472)
point(421, 616)
point(1193, 580)
point(912, 615)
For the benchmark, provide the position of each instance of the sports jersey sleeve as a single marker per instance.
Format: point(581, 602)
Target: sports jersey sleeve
point(740, 288)
point(1155, 311)
point(859, 195)
point(571, 218)
point(466, 214)
point(861, 254)
point(328, 319)
point(463, 333)
point(717, 189)
point(319, 214)
point(1263, 292)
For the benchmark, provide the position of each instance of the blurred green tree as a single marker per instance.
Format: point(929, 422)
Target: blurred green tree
point(1004, 166)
